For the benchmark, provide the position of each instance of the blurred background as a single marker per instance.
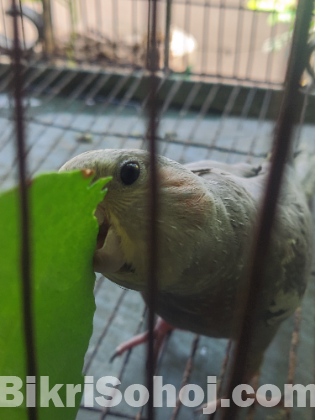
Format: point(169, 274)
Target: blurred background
point(236, 39)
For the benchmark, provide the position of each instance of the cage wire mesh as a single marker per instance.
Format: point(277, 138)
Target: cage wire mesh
point(221, 69)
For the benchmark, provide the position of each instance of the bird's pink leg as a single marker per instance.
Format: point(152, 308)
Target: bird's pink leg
point(160, 330)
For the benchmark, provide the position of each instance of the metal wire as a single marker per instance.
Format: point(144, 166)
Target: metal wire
point(167, 40)
point(152, 286)
point(244, 114)
point(220, 37)
point(107, 410)
point(261, 119)
point(25, 246)
point(54, 91)
point(134, 29)
point(222, 375)
point(186, 28)
point(56, 81)
point(157, 365)
point(96, 86)
point(227, 110)
point(281, 150)
point(238, 38)
point(114, 37)
point(252, 45)
point(302, 117)
point(203, 110)
point(293, 353)
point(205, 37)
point(186, 374)
point(104, 331)
point(4, 24)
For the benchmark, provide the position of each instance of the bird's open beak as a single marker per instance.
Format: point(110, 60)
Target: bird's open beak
point(108, 257)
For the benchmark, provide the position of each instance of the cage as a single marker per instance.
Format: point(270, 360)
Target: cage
point(220, 68)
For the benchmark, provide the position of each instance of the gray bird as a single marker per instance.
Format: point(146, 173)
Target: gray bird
point(207, 216)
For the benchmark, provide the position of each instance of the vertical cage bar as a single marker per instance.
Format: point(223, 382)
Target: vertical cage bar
point(153, 65)
point(186, 29)
point(253, 34)
point(295, 338)
point(222, 375)
point(238, 42)
point(134, 19)
point(115, 26)
point(149, 33)
point(271, 53)
point(205, 37)
point(49, 42)
point(302, 117)
point(98, 12)
point(84, 16)
point(288, 113)
point(220, 37)
point(4, 24)
point(168, 20)
point(22, 24)
point(186, 374)
point(27, 309)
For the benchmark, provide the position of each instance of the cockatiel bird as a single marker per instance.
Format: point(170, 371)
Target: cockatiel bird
point(207, 216)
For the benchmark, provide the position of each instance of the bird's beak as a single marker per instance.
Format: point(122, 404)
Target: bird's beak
point(108, 257)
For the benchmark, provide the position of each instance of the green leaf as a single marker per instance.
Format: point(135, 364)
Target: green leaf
point(64, 231)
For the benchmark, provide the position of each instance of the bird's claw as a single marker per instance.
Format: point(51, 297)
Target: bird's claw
point(160, 330)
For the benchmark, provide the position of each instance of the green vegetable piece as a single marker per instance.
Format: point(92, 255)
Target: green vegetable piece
point(64, 232)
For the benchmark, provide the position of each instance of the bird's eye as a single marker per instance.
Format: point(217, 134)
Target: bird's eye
point(129, 172)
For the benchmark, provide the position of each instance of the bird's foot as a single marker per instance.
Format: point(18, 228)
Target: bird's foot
point(160, 331)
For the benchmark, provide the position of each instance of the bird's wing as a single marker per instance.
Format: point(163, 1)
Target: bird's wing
point(243, 170)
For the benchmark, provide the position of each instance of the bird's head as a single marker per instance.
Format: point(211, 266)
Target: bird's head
point(123, 216)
